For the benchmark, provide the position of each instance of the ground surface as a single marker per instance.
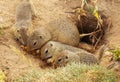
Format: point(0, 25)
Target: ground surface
point(12, 59)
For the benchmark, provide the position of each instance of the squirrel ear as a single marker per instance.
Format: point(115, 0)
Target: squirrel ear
point(18, 30)
point(66, 57)
point(40, 37)
point(51, 44)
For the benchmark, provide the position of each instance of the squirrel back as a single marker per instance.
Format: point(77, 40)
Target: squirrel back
point(61, 30)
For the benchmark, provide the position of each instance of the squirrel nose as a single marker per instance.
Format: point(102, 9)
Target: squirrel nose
point(29, 49)
point(54, 66)
point(43, 59)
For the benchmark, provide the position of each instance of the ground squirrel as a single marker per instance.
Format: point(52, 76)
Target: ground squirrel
point(63, 57)
point(24, 13)
point(60, 54)
point(50, 47)
point(61, 30)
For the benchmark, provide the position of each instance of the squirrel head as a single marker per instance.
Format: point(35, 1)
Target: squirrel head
point(38, 38)
point(20, 34)
point(60, 59)
point(47, 51)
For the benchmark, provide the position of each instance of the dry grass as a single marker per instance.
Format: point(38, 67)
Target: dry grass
point(71, 73)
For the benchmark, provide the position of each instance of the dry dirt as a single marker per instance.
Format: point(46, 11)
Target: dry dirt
point(13, 62)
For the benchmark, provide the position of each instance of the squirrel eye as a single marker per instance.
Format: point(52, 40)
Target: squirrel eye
point(19, 37)
point(46, 51)
point(59, 60)
point(66, 57)
point(34, 43)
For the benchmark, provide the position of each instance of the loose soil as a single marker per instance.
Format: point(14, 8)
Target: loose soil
point(14, 61)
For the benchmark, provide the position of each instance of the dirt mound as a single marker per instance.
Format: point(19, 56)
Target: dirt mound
point(112, 10)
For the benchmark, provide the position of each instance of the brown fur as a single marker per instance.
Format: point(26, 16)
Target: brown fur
point(62, 58)
point(61, 30)
point(23, 16)
point(60, 54)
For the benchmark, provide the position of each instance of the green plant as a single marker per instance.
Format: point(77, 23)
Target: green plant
point(2, 76)
point(116, 54)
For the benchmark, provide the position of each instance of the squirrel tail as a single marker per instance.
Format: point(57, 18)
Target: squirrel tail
point(101, 52)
